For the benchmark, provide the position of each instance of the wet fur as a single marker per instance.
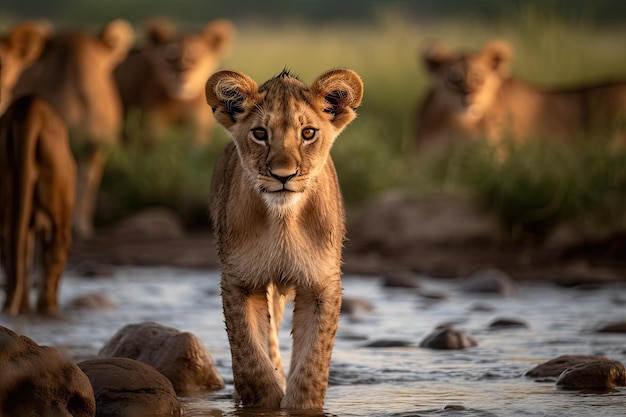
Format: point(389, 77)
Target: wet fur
point(277, 244)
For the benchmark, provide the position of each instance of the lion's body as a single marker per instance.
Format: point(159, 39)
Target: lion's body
point(473, 96)
point(37, 190)
point(279, 221)
point(75, 74)
point(162, 82)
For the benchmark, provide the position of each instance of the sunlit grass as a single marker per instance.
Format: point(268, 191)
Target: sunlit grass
point(375, 153)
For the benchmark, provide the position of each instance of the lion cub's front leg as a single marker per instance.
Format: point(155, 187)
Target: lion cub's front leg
point(258, 382)
point(315, 320)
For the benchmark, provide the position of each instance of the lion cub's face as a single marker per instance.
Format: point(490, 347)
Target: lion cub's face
point(183, 61)
point(468, 83)
point(284, 130)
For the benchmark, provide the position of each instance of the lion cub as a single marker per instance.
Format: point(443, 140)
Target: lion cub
point(37, 190)
point(473, 95)
point(162, 82)
point(279, 220)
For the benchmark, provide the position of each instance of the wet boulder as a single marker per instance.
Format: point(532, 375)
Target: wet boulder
point(150, 223)
point(507, 323)
point(388, 343)
point(92, 301)
point(602, 375)
point(447, 337)
point(490, 281)
point(37, 381)
point(400, 279)
point(355, 306)
point(180, 356)
point(126, 387)
point(555, 367)
point(619, 327)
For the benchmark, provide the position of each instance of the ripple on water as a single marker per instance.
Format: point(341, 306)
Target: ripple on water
point(398, 381)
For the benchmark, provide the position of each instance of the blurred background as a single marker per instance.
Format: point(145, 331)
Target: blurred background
point(557, 43)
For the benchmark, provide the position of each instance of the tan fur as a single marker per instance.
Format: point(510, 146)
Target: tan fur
point(21, 46)
point(162, 82)
point(37, 188)
point(472, 95)
point(278, 219)
point(75, 74)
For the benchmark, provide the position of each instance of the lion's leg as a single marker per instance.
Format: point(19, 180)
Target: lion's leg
point(9, 268)
point(18, 272)
point(315, 320)
point(247, 324)
point(29, 261)
point(276, 304)
point(55, 258)
point(88, 182)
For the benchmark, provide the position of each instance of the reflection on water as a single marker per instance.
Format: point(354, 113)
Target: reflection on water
point(365, 381)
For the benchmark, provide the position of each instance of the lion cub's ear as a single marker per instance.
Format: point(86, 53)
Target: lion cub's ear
point(230, 93)
point(27, 39)
point(118, 37)
point(219, 35)
point(342, 91)
point(434, 55)
point(158, 31)
point(498, 55)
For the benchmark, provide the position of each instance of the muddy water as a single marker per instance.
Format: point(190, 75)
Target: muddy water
point(394, 381)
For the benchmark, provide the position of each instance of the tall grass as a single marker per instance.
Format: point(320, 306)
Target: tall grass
point(375, 153)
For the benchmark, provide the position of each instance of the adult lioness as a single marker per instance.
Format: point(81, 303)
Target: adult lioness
point(37, 188)
point(75, 74)
point(473, 95)
point(279, 226)
point(19, 48)
point(162, 82)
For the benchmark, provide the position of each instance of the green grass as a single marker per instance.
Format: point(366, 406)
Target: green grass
point(537, 187)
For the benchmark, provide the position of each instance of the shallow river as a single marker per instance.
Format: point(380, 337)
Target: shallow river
point(400, 381)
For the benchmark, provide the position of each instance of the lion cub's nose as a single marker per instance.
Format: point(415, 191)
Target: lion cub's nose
point(283, 178)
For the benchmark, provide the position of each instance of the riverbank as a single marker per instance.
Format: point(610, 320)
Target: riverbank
point(440, 236)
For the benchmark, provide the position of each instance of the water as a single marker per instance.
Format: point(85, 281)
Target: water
point(399, 381)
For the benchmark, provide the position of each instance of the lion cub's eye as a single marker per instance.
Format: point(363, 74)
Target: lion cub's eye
point(455, 76)
point(259, 134)
point(308, 133)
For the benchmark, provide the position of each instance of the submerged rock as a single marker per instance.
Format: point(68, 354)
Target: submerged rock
point(619, 327)
point(36, 381)
point(490, 281)
point(554, 367)
point(92, 301)
point(602, 375)
point(507, 323)
point(126, 387)
point(180, 356)
point(355, 306)
point(446, 337)
point(387, 343)
point(401, 279)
